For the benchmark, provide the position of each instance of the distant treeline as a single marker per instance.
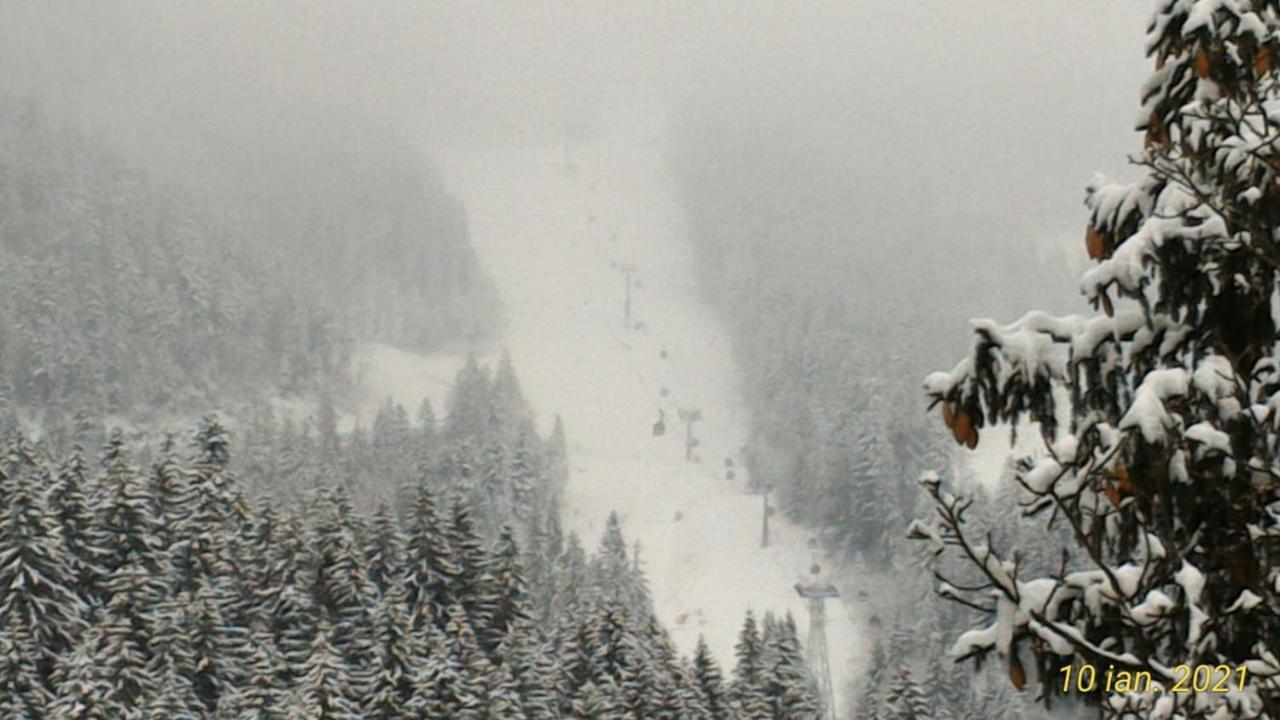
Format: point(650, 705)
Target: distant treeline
point(124, 294)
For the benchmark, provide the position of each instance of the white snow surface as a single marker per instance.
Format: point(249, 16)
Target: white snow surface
point(384, 372)
point(550, 237)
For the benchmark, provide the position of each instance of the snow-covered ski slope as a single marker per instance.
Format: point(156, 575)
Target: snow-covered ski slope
point(554, 238)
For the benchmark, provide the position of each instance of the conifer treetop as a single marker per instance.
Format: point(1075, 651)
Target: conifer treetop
point(1158, 411)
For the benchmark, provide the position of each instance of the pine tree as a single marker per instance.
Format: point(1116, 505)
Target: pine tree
point(468, 402)
point(171, 496)
point(509, 597)
point(650, 691)
point(1165, 468)
point(788, 684)
point(217, 524)
point(212, 445)
point(127, 531)
point(390, 428)
point(494, 496)
point(748, 651)
point(401, 654)
point(610, 646)
point(462, 681)
point(691, 700)
point(118, 653)
point(384, 554)
point(747, 691)
point(904, 699)
point(350, 469)
point(526, 473)
point(168, 643)
point(507, 400)
point(616, 574)
point(39, 601)
point(428, 425)
point(23, 692)
point(573, 638)
point(599, 701)
point(173, 699)
point(83, 690)
point(710, 681)
point(474, 583)
point(874, 514)
point(71, 503)
point(342, 586)
point(533, 668)
point(437, 676)
point(569, 573)
point(258, 692)
point(557, 458)
point(503, 700)
point(539, 557)
point(210, 638)
point(326, 690)
point(264, 571)
point(432, 569)
point(294, 619)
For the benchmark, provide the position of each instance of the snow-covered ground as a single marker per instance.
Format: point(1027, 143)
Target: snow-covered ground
point(383, 372)
point(554, 238)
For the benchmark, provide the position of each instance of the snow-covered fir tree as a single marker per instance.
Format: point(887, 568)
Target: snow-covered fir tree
point(1164, 471)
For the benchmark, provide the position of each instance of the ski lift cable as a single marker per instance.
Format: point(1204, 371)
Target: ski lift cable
point(622, 341)
point(780, 564)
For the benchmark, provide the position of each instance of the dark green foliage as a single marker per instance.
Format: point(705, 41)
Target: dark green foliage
point(710, 681)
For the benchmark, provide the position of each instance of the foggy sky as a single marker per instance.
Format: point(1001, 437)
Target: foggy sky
point(991, 112)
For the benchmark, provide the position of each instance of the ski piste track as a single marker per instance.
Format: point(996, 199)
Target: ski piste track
point(554, 237)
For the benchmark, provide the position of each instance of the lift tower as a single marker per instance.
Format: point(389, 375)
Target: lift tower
point(816, 593)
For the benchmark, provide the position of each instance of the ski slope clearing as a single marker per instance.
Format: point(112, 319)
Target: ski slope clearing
point(407, 378)
point(556, 239)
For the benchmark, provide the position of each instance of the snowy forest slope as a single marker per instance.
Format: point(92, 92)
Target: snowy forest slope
point(133, 292)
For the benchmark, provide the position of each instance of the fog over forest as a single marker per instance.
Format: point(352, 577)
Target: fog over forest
point(629, 360)
point(996, 113)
